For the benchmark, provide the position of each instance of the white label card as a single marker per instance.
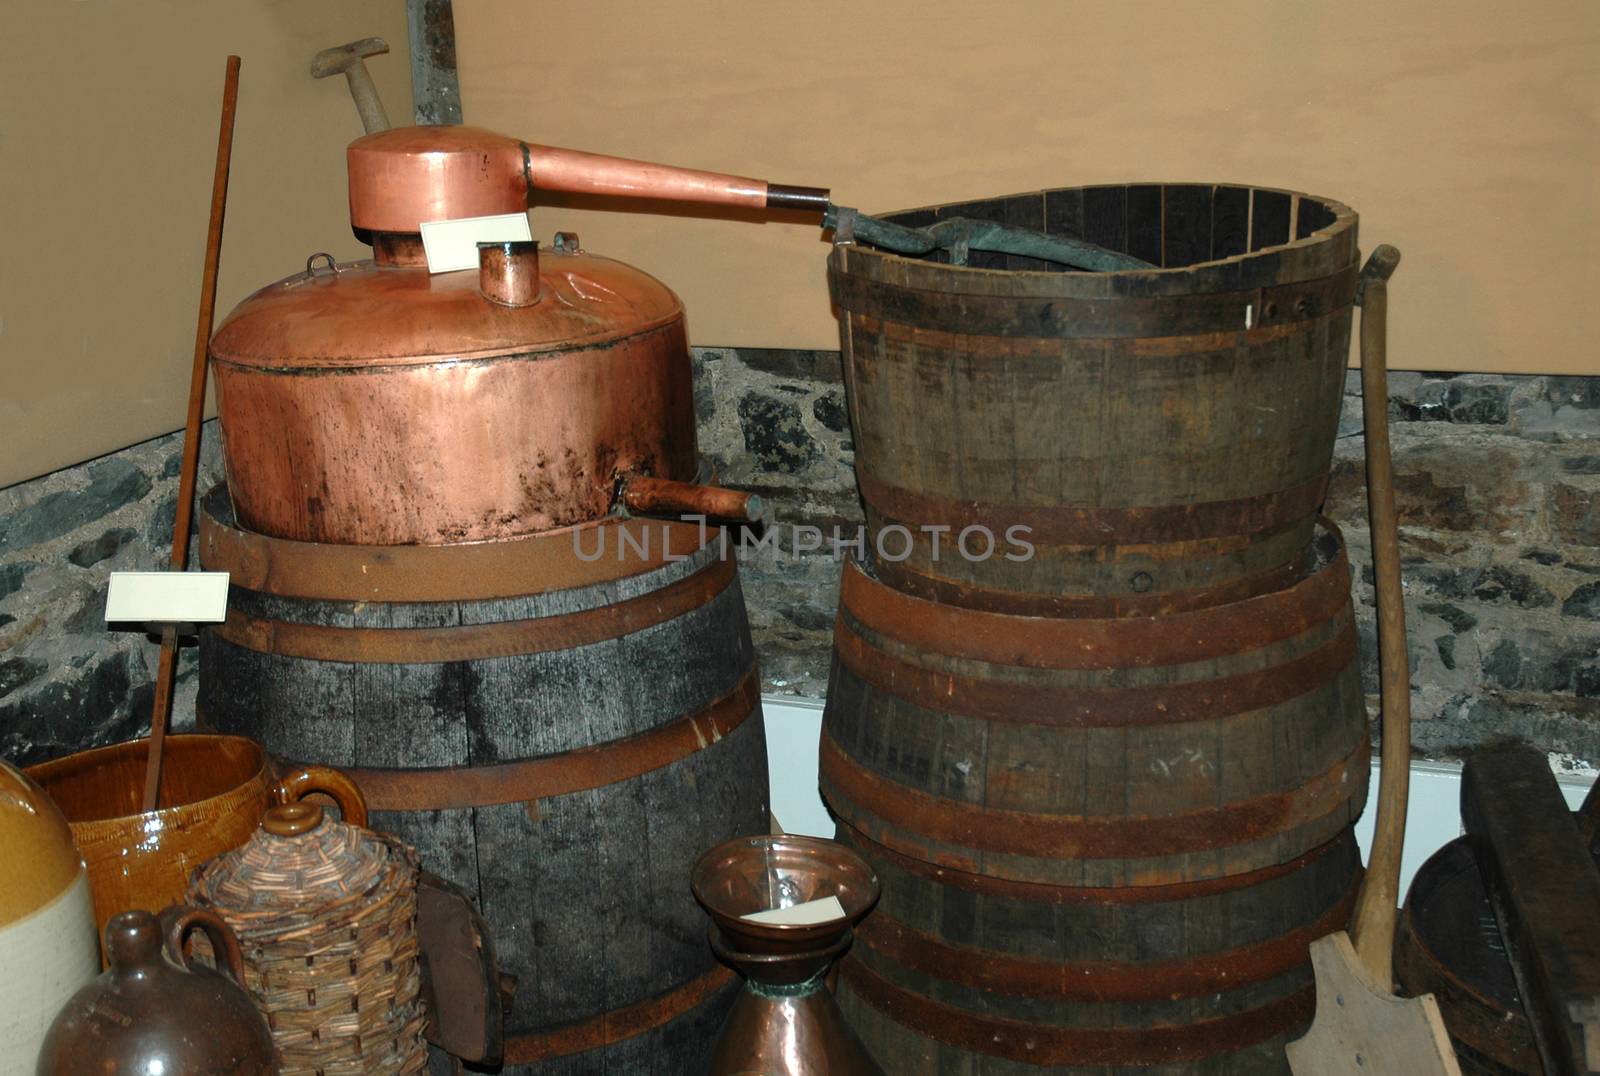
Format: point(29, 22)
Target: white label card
point(453, 244)
point(812, 911)
point(167, 598)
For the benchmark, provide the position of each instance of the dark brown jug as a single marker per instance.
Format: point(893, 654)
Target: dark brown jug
point(154, 1011)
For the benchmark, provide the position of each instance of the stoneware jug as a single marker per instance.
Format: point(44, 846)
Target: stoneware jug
point(214, 792)
point(155, 1011)
point(47, 943)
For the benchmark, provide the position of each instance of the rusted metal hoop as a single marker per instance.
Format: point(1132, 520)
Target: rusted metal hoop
point(618, 1024)
point(1101, 981)
point(473, 571)
point(1044, 1045)
point(1090, 527)
point(578, 770)
point(853, 789)
point(988, 885)
point(473, 642)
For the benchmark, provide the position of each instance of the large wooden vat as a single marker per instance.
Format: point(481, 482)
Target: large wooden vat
point(560, 724)
point(1104, 842)
point(1163, 436)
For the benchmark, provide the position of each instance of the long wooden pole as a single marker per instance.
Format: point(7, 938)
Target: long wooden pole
point(1372, 926)
point(167, 664)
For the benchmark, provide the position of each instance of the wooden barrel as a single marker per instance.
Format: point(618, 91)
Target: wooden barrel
point(1448, 945)
point(1162, 438)
point(561, 724)
point(1104, 842)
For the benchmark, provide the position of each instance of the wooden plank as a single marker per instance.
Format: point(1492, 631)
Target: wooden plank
point(1362, 1030)
point(1269, 219)
point(1105, 217)
point(1313, 215)
point(1063, 212)
point(1186, 225)
point(1545, 889)
point(1230, 222)
point(1144, 222)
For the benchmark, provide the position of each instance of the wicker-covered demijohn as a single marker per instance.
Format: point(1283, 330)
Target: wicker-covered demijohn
point(326, 915)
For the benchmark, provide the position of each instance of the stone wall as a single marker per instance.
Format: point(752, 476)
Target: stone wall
point(1498, 485)
point(65, 680)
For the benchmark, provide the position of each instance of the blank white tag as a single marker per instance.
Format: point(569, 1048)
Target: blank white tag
point(812, 911)
point(453, 244)
point(167, 598)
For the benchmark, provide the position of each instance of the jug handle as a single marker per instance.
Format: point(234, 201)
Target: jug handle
point(305, 780)
point(224, 945)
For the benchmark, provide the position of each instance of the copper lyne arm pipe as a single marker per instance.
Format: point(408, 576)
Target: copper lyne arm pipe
point(403, 176)
point(550, 168)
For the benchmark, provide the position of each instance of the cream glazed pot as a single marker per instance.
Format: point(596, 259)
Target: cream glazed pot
point(48, 948)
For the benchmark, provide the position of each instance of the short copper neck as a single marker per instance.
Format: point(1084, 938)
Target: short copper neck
point(399, 249)
point(508, 272)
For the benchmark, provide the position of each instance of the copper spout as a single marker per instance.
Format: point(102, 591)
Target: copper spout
point(553, 169)
point(406, 175)
point(666, 497)
point(508, 272)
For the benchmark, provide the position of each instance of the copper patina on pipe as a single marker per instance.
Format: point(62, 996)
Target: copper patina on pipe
point(666, 497)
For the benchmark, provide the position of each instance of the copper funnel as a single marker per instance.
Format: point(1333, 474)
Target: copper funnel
point(786, 1023)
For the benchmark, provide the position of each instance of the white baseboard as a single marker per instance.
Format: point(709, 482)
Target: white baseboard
point(1433, 815)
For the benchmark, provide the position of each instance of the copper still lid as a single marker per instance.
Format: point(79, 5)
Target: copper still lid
point(360, 314)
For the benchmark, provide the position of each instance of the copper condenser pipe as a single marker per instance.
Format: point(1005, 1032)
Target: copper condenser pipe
point(666, 497)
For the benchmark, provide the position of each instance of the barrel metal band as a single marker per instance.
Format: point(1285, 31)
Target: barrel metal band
point(1040, 1044)
point(1101, 643)
point(528, 1047)
point(1070, 318)
point(473, 642)
point(1100, 981)
point(454, 788)
point(1095, 707)
point(851, 788)
point(582, 556)
point(1064, 525)
point(988, 885)
point(914, 582)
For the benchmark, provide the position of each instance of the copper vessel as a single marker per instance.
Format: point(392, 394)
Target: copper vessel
point(786, 1022)
point(374, 403)
point(156, 1011)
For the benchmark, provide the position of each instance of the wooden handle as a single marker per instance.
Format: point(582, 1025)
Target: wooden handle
point(224, 944)
point(329, 782)
point(1373, 924)
point(166, 666)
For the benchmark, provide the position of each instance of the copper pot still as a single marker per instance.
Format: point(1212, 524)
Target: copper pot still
point(375, 403)
point(786, 1022)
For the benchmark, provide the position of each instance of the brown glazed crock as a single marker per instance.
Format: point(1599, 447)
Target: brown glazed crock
point(214, 792)
point(155, 1011)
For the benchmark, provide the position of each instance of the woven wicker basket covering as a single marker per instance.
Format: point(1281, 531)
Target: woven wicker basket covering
point(326, 915)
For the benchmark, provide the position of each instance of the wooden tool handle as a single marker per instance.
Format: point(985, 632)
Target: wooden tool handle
point(1372, 926)
point(166, 667)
